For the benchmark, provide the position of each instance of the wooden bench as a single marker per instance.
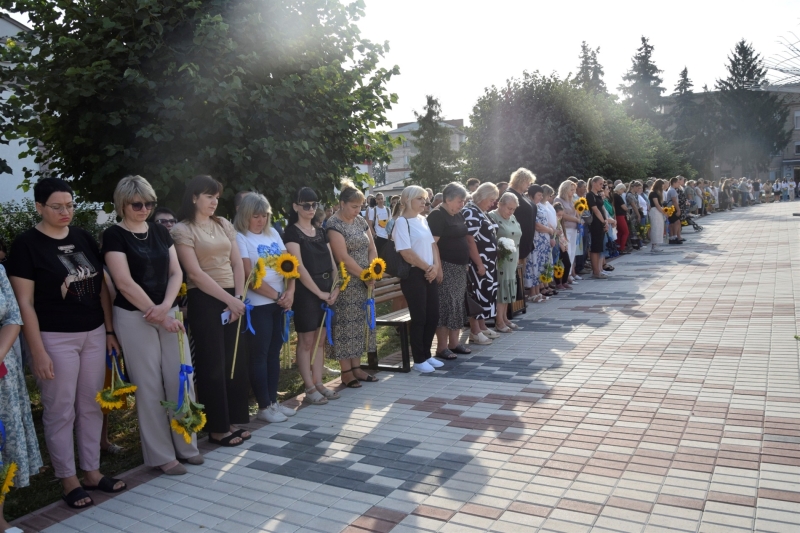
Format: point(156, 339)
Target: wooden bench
point(386, 290)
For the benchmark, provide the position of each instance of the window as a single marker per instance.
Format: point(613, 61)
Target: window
point(796, 148)
point(405, 144)
point(406, 159)
point(797, 120)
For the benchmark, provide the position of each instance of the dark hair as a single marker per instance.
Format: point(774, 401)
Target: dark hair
point(473, 181)
point(306, 194)
point(454, 190)
point(558, 207)
point(658, 187)
point(372, 201)
point(674, 180)
point(47, 186)
point(573, 179)
point(237, 198)
point(533, 189)
point(160, 210)
point(198, 185)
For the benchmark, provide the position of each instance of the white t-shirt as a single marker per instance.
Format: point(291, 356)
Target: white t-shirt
point(248, 248)
point(643, 203)
point(378, 217)
point(419, 240)
point(550, 212)
point(792, 185)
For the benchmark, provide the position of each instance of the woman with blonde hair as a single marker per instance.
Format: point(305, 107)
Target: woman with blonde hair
point(256, 237)
point(507, 228)
point(352, 244)
point(525, 213)
point(414, 241)
point(569, 219)
point(143, 263)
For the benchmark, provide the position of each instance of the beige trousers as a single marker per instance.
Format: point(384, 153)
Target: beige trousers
point(152, 361)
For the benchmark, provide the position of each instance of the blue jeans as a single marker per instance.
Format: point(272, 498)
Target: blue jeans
point(265, 352)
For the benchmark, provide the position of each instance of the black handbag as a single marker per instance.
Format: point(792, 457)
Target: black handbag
point(473, 308)
point(395, 264)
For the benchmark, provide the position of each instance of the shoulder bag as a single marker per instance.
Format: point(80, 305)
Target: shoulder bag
point(395, 264)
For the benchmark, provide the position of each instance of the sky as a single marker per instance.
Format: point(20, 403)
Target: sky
point(454, 49)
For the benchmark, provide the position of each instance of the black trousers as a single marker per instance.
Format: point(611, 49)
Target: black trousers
point(225, 400)
point(567, 266)
point(423, 306)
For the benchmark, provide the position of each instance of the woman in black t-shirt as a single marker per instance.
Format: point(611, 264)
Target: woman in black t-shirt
point(317, 269)
point(621, 214)
point(144, 266)
point(57, 275)
point(598, 227)
point(656, 215)
point(450, 233)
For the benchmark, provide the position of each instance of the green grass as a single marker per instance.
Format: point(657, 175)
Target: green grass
point(124, 431)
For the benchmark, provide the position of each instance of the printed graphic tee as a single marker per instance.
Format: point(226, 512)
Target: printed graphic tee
point(67, 275)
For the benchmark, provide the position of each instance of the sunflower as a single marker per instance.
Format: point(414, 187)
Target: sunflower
point(178, 428)
point(7, 476)
point(345, 282)
point(377, 268)
point(287, 266)
point(108, 400)
point(558, 271)
point(542, 278)
point(365, 275)
point(201, 424)
point(260, 272)
point(126, 389)
point(182, 291)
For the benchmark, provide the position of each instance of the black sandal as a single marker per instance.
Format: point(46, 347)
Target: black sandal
point(226, 441)
point(106, 485)
point(369, 379)
point(446, 355)
point(353, 384)
point(240, 433)
point(461, 349)
point(76, 494)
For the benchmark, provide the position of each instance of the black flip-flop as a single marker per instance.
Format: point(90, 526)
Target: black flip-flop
point(76, 494)
point(240, 433)
point(461, 349)
point(353, 383)
point(446, 355)
point(226, 441)
point(106, 485)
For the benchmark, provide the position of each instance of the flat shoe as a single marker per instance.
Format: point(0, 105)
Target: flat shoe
point(106, 485)
point(503, 330)
point(240, 433)
point(352, 384)
point(196, 460)
point(461, 349)
point(446, 354)
point(226, 441)
point(177, 470)
point(314, 397)
point(77, 494)
point(326, 392)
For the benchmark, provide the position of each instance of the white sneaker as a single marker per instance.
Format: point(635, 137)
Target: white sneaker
point(577, 277)
point(479, 339)
point(286, 411)
point(425, 368)
point(435, 363)
point(491, 334)
point(271, 415)
point(330, 371)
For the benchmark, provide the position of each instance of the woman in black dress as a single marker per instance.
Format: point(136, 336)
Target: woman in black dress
point(482, 276)
point(309, 245)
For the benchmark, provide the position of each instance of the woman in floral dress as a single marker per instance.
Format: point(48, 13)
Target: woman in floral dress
point(541, 255)
point(21, 446)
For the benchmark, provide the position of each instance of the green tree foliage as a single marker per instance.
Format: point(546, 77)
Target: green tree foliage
point(694, 124)
point(19, 217)
point(642, 87)
point(557, 130)
point(590, 71)
point(265, 95)
point(435, 163)
point(752, 123)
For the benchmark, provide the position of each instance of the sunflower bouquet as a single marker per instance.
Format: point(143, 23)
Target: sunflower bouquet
point(288, 267)
point(256, 279)
point(115, 396)
point(374, 272)
point(644, 231)
point(7, 472)
point(669, 210)
point(581, 205)
point(558, 270)
point(547, 275)
point(182, 291)
point(187, 416)
point(341, 279)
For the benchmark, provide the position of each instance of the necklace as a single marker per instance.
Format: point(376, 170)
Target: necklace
point(305, 231)
point(204, 230)
point(146, 233)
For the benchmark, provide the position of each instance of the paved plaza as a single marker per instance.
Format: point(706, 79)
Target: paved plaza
point(664, 399)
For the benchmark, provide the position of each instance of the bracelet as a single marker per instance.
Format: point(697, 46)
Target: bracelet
point(111, 333)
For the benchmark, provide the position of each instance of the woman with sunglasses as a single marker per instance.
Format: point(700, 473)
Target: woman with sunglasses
point(165, 216)
point(309, 244)
point(207, 250)
point(143, 263)
point(57, 275)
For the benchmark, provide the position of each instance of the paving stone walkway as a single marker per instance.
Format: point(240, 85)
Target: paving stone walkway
point(665, 399)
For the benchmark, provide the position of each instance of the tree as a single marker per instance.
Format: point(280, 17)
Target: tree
point(642, 88)
point(590, 72)
point(752, 122)
point(435, 163)
point(264, 95)
point(694, 124)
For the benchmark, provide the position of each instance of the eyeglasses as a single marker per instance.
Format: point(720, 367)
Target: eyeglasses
point(313, 206)
point(427, 204)
point(166, 221)
point(58, 208)
point(138, 206)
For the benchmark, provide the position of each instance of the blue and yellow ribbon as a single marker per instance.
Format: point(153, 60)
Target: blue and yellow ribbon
point(287, 318)
point(113, 359)
point(247, 308)
point(183, 380)
point(328, 322)
point(369, 306)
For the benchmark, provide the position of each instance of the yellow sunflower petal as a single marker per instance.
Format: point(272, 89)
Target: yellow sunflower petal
point(365, 275)
point(8, 480)
point(376, 268)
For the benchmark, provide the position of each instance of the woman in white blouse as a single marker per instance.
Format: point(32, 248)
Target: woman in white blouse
point(413, 239)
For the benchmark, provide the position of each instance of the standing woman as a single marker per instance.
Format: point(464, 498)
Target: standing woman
point(525, 214)
point(598, 226)
point(414, 241)
point(351, 243)
point(482, 243)
point(21, 445)
point(206, 246)
point(450, 233)
point(309, 245)
point(253, 222)
point(569, 220)
point(656, 216)
point(143, 263)
point(507, 227)
point(57, 275)
point(621, 211)
point(543, 240)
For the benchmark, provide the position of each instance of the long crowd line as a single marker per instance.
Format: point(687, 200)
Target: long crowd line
point(463, 255)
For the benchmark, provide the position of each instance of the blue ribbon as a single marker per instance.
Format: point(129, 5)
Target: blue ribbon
point(113, 358)
point(328, 319)
point(247, 309)
point(369, 306)
point(183, 379)
point(2, 440)
point(287, 317)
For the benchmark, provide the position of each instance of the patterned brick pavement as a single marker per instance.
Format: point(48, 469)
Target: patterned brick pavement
point(665, 399)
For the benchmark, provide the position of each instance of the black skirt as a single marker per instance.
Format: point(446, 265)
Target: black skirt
point(307, 307)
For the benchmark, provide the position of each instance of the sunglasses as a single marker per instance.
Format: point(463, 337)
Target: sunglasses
point(313, 206)
point(166, 221)
point(138, 206)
